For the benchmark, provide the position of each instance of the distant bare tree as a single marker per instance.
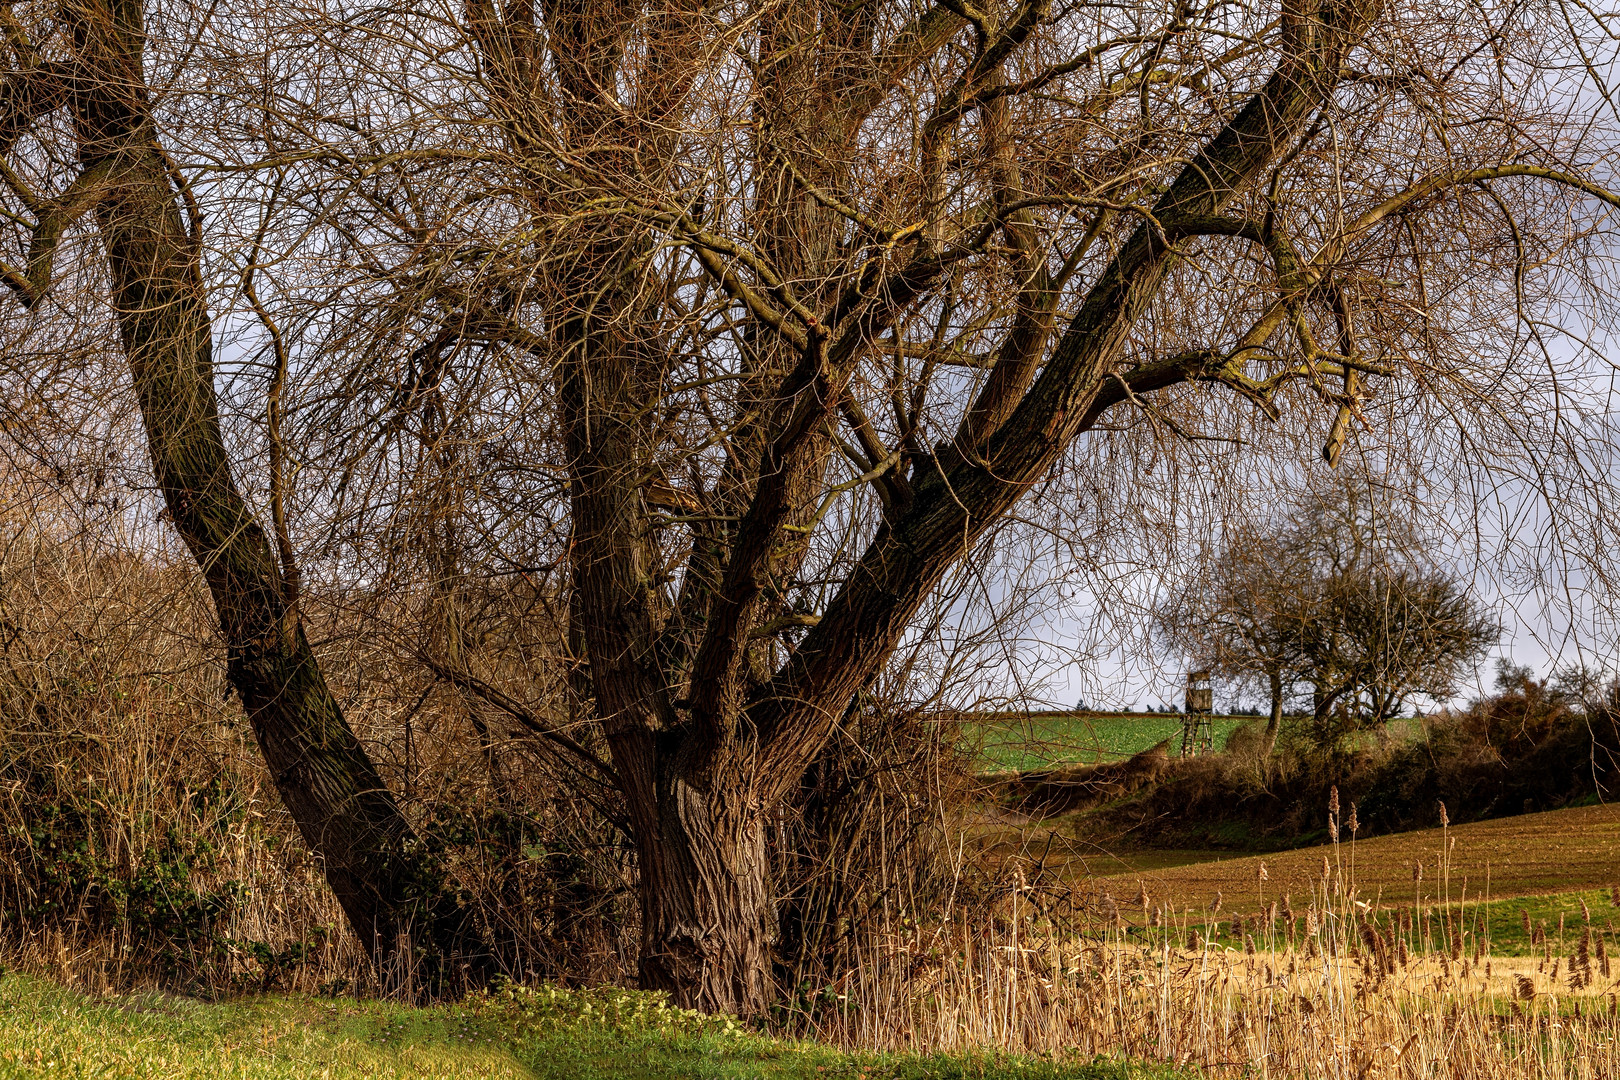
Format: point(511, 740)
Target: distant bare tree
point(1243, 622)
point(1385, 623)
point(1341, 595)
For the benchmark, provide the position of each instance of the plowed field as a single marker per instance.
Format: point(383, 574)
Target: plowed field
point(1528, 855)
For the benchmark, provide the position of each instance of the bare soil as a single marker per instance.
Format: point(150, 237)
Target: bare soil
point(1528, 855)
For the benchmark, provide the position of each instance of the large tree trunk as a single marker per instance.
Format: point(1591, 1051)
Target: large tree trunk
point(707, 928)
point(343, 809)
point(704, 741)
point(703, 883)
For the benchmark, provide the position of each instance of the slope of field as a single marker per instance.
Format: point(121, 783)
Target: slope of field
point(1557, 852)
point(1049, 740)
point(603, 1034)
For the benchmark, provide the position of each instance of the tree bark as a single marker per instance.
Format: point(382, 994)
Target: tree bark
point(1275, 721)
point(345, 813)
point(708, 927)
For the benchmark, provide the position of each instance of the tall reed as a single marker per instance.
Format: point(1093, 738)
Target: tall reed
point(1330, 984)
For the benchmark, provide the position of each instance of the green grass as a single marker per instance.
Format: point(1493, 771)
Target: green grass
point(1050, 740)
point(1501, 918)
point(604, 1034)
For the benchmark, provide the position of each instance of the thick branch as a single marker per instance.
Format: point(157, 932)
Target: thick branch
point(903, 563)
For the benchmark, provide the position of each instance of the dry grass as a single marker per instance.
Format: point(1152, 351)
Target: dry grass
point(1338, 982)
point(142, 843)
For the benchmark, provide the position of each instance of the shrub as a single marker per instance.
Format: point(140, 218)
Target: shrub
point(1529, 745)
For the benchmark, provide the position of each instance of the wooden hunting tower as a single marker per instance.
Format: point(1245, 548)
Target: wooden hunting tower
point(1197, 732)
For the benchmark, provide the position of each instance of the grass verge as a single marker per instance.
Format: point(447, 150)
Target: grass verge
point(517, 1033)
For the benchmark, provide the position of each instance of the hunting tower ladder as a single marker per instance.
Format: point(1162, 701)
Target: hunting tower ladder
point(1197, 732)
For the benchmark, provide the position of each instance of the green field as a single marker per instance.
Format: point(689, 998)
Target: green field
point(1497, 927)
point(1052, 740)
point(1501, 922)
point(521, 1034)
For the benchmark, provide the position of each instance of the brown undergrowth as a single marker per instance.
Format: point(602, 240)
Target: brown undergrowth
point(1326, 982)
point(142, 843)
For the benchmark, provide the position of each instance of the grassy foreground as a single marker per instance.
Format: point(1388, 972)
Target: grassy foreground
point(46, 1030)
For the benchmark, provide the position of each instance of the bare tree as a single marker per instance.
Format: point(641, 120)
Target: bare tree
point(1244, 622)
point(85, 58)
point(1382, 623)
point(794, 357)
point(742, 328)
point(1342, 595)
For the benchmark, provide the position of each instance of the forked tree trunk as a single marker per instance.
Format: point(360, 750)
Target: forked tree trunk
point(703, 885)
point(703, 743)
point(344, 811)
